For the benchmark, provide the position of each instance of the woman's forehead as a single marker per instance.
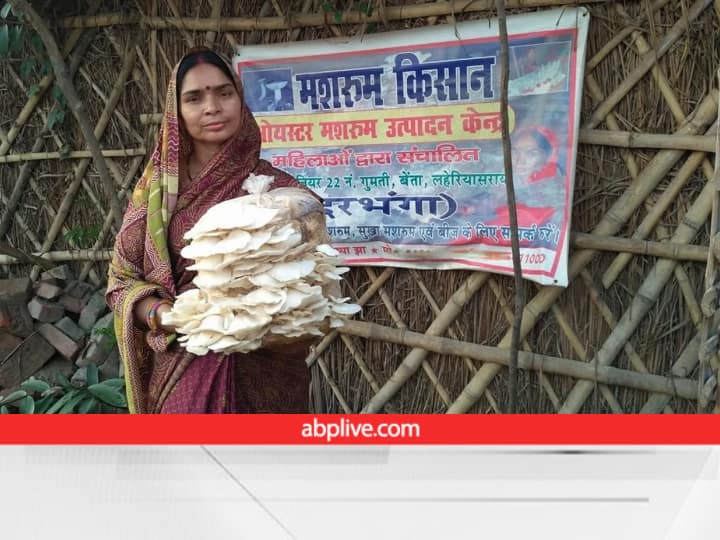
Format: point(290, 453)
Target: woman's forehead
point(204, 76)
point(526, 140)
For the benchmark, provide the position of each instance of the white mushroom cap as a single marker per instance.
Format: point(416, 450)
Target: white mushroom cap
point(232, 214)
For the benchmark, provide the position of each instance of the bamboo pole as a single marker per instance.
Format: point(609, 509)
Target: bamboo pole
point(27, 169)
point(709, 331)
point(43, 85)
point(670, 193)
point(118, 114)
point(189, 38)
point(581, 352)
point(509, 317)
point(646, 62)
point(451, 332)
point(26, 258)
point(620, 37)
point(665, 250)
point(678, 113)
point(125, 187)
point(80, 170)
point(62, 256)
point(215, 12)
point(681, 387)
point(644, 298)
point(629, 139)
point(17, 218)
point(400, 323)
point(242, 24)
point(75, 104)
point(366, 296)
point(682, 367)
point(413, 360)
point(612, 221)
point(611, 320)
point(334, 387)
point(651, 219)
point(77, 154)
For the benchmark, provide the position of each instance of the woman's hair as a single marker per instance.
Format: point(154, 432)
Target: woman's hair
point(540, 139)
point(201, 56)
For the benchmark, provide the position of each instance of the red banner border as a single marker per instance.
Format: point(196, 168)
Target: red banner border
point(289, 429)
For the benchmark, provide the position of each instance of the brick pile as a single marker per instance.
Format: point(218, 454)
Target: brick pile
point(58, 325)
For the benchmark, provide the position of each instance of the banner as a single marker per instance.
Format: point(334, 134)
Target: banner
point(400, 133)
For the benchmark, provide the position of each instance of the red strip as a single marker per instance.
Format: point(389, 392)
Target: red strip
point(288, 429)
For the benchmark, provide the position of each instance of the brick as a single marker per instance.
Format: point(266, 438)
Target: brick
point(62, 343)
point(48, 290)
point(79, 289)
point(45, 311)
point(72, 304)
point(61, 272)
point(30, 356)
point(8, 343)
point(15, 317)
point(18, 288)
point(92, 311)
point(112, 366)
point(49, 372)
point(101, 343)
point(68, 327)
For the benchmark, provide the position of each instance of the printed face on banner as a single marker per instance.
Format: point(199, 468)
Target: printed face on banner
point(401, 135)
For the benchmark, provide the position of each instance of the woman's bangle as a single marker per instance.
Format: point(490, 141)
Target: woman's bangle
point(151, 318)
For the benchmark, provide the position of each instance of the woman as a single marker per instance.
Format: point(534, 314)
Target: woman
point(209, 143)
point(539, 187)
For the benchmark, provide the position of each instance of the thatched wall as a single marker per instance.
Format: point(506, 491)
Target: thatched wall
point(639, 314)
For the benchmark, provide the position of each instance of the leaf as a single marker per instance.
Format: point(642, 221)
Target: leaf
point(338, 16)
point(57, 93)
point(90, 404)
point(44, 403)
point(13, 397)
point(117, 383)
point(4, 40)
point(107, 395)
point(4, 410)
point(32, 385)
point(62, 401)
point(72, 403)
point(53, 391)
point(92, 376)
point(37, 43)
point(63, 380)
point(16, 39)
point(34, 89)
point(26, 405)
point(45, 67)
point(54, 118)
point(27, 66)
point(5, 10)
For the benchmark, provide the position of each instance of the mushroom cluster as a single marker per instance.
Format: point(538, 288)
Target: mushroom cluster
point(265, 273)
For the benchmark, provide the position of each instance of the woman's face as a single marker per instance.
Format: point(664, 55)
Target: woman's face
point(527, 156)
point(209, 105)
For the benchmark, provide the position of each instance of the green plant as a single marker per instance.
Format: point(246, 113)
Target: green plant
point(83, 237)
point(109, 332)
point(91, 397)
point(15, 39)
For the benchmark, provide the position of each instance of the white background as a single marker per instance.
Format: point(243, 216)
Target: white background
point(372, 492)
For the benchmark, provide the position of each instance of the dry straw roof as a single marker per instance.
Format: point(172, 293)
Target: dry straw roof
point(625, 336)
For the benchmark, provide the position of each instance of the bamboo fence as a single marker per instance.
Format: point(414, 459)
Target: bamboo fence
point(634, 332)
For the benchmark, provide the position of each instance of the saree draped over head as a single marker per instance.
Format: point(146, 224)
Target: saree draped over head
point(160, 375)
